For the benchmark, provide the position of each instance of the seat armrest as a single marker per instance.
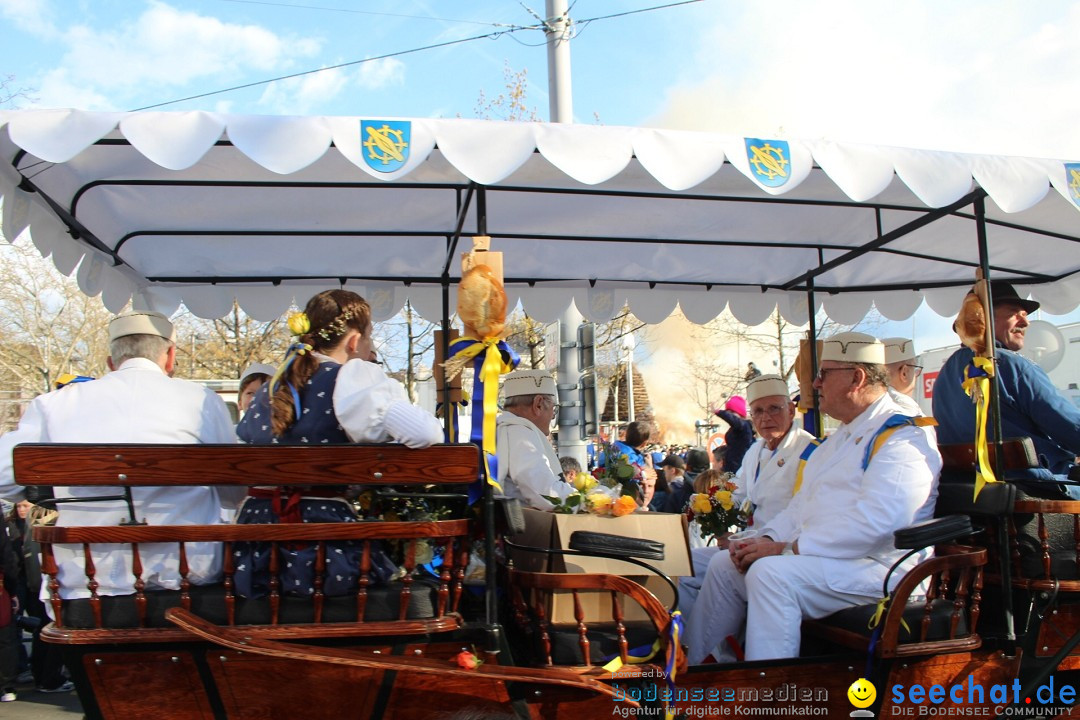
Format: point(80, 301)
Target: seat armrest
point(605, 544)
point(933, 532)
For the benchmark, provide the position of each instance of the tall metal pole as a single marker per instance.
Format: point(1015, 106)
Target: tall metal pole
point(560, 100)
point(561, 110)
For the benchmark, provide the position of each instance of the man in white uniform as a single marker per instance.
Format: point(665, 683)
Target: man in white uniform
point(904, 371)
point(529, 469)
point(138, 402)
point(767, 474)
point(832, 545)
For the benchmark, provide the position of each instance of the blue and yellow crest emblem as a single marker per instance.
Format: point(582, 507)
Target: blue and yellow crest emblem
point(386, 143)
point(1072, 177)
point(770, 161)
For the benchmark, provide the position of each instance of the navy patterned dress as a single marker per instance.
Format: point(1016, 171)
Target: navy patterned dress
point(317, 424)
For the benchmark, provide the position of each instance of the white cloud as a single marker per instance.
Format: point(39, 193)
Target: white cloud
point(164, 49)
point(378, 74)
point(972, 76)
point(296, 96)
point(58, 89)
point(29, 16)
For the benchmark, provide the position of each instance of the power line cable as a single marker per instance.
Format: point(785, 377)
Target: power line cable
point(492, 35)
point(256, 83)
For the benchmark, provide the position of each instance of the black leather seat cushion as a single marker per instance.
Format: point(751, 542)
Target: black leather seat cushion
point(603, 642)
point(208, 602)
point(857, 620)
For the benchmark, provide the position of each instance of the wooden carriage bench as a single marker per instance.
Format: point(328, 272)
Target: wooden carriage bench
point(418, 602)
point(203, 651)
point(1032, 535)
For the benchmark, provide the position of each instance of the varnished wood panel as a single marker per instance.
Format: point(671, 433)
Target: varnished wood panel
point(116, 465)
point(412, 695)
point(162, 685)
point(261, 688)
point(220, 533)
point(988, 668)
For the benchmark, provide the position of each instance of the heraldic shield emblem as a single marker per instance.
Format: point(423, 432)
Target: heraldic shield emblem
point(770, 161)
point(1072, 177)
point(386, 143)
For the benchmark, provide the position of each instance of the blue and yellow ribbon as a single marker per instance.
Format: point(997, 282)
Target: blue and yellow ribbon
point(640, 655)
point(977, 378)
point(491, 358)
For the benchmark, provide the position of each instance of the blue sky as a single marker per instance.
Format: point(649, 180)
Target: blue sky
point(989, 76)
point(973, 75)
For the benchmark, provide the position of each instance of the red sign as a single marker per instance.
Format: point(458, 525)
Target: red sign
point(928, 384)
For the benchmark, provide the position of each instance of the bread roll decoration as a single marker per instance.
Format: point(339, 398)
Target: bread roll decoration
point(971, 324)
point(482, 303)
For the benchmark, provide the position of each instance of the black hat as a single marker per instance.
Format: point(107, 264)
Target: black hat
point(697, 459)
point(1003, 292)
point(674, 461)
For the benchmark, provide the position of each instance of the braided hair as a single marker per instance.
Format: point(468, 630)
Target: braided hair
point(331, 314)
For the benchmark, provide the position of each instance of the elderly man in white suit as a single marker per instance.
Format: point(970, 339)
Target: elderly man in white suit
point(831, 547)
point(904, 370)
point(528, 468)
point(767, 475)
point(137, 402)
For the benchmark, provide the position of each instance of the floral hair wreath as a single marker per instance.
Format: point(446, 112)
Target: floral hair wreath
point(299, 324)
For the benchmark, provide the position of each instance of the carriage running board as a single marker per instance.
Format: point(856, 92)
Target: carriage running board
point(236, 639)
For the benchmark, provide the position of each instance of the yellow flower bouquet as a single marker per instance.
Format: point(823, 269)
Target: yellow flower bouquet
point(715, 509)
point(611, 489)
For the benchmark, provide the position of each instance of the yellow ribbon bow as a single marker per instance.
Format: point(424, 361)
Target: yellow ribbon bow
point(879, 613)
point(490, 371)
point(978, 388)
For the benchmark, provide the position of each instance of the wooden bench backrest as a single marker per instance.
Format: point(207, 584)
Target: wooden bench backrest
point(1017, 454)
point(157, 465)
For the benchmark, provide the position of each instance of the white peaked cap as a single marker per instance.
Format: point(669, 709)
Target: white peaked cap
point(766, 386)
point(257, 369)
point(853, 347)
point(141, 323)
point(529, 382)
point(898, 349)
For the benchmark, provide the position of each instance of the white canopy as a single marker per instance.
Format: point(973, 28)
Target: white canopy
point(199, 208)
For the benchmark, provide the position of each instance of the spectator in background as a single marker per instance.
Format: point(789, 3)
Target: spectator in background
point(740, 434)
point(9, 629)
point(697, 462)
point(718, 454)
point(253, 378)
point(904, 371)
point(570, 468)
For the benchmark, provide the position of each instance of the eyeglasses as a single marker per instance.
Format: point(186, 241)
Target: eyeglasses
point(554, 407)
point(823, 372)
point(772, 410)
point(916, 369)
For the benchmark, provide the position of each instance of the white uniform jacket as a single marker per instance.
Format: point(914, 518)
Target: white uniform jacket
point(137, 403)
point(907, 403)
point(767, 477)
point(528, 466)
point(843, 514)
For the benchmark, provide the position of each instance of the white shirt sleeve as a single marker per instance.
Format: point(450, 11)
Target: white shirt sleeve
point(373, 407)
point(31, 430)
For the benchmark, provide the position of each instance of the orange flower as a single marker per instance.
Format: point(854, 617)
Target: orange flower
point(467, 660)
point(623, 506)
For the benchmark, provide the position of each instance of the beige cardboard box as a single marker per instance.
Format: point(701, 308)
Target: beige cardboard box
point(545, 529)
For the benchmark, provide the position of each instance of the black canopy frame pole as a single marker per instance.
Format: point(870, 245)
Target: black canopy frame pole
point(882, 240)
point(452, 241)
point(819, 424)
point(491, 605)
point(991, 335)
point(995, 420)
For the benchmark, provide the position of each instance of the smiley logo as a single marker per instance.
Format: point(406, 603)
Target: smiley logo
point(862, 693)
